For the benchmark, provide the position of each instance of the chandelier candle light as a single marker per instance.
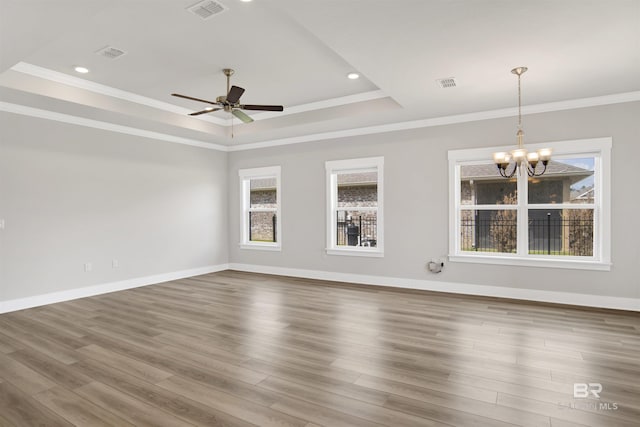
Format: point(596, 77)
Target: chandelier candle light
point(522, 159)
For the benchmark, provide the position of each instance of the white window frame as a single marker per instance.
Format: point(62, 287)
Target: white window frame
point(598, 148)
point(333, 168)
point(246, 175)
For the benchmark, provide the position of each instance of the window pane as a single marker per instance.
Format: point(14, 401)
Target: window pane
point(565, 181)
point(489, 231)
point(262, 226)
point(483, 185)
point(561, 232)
point(263, 193)
point(357, 189)
point(357, 228)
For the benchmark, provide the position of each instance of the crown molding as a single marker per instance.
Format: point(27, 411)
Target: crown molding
point(55, 76)
point(66, 79)
point(391, 127)
point(447, 120)
point(96, 124)
point(319, 105)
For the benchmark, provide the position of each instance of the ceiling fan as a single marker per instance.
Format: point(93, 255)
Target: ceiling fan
point(230, 102)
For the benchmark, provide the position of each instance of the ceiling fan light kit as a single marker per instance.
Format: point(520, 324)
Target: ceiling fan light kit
point(522, 159)
point(230, 102)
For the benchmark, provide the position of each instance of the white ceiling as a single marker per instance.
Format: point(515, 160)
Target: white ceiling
point(298, 52)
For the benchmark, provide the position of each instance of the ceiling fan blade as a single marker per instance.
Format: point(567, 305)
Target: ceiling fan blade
point(194, 99)
point(234, 94)
point(262, 107)
point(205, 111)
point(242, 116)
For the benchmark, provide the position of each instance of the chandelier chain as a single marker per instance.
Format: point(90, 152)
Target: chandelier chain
point(519, 103)
point(523, 160)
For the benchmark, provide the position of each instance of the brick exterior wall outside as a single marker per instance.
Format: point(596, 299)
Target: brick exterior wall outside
point(263, 198)
point(262, 229)
point(349, 198)
point(357, 195)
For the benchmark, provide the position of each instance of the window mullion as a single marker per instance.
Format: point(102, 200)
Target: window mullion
point(357, 208)
point(543, 206)
point(523, 214)
point(487, 207)
point(263, 210)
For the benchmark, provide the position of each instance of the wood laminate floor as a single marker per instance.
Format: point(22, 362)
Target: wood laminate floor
point(240, 349)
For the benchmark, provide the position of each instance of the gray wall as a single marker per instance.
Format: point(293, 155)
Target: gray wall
point(70, 195)
point(416, 192)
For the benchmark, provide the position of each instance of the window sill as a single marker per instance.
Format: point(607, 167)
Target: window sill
point(261, 246)
point(574, 264)
point(356, 252)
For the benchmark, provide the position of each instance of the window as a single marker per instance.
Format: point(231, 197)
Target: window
point(559, 219)
point(260, 208)
point(354, 207)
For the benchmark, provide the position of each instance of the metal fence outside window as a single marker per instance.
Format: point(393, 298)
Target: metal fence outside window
point(357, 231)
point(547, 235)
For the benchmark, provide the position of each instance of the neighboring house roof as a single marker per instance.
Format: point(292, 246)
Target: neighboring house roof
point(489, 172)
point(583, 194)
point(263, 184)
point(346, 179)
point(358, 178)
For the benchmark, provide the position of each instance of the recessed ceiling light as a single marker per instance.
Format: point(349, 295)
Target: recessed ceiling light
point(353, 76)
point(245, 1)
point(81, 70)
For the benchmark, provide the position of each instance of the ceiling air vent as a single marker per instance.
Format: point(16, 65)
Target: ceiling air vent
point(110, 52)
point(448, 82)
point(207, 9)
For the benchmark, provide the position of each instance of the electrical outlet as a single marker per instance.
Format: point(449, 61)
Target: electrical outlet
point(87, 266)
point(435, 265)
point(115, 263)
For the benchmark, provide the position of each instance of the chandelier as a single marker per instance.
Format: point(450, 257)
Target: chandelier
point(522, 159)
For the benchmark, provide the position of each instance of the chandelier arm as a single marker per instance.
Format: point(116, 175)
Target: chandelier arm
point(504, 174)
point(543, 170)
point(531, 171)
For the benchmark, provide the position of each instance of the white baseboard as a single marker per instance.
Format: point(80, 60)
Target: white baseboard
point(104, 288)
point(588, 300)
point(632, 304)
